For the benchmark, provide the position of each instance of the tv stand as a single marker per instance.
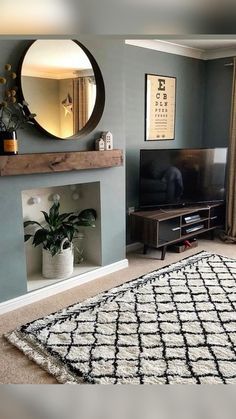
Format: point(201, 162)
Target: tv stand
point(160, 228)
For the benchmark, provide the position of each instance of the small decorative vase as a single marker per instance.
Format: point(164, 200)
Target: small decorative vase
point(8, 143)
point(59, 266)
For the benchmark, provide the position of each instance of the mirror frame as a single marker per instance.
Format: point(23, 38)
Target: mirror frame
point(99, 103)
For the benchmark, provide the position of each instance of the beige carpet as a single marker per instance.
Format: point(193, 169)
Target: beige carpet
point(16, 368)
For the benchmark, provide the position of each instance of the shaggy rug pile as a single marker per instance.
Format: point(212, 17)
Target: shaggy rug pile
point(174, 325)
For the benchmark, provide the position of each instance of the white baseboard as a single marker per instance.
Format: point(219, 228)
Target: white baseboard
point(133, 246)
point(61, 286)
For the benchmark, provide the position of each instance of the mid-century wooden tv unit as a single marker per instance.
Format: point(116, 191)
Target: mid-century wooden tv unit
point(162, 227)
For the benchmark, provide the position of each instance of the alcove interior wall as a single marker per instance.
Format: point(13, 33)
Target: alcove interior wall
point(72, 198)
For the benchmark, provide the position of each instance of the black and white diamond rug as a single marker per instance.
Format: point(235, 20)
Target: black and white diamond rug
point(173, 325)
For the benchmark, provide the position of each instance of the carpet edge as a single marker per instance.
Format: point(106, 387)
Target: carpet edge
point(42, 358)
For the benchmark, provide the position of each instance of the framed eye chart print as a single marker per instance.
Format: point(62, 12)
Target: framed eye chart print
point(160, 96)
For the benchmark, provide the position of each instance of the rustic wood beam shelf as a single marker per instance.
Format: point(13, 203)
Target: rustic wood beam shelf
point(24, 164)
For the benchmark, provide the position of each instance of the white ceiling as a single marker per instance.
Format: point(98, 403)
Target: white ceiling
point(55, 58)
point(205, 49)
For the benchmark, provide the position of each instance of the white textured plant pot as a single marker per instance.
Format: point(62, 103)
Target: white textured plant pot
point(59, 266)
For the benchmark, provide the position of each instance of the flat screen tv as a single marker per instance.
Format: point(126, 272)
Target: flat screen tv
point(178, 177)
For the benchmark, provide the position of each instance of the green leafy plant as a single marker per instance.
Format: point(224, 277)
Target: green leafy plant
point(13, 112)
point(58, 227)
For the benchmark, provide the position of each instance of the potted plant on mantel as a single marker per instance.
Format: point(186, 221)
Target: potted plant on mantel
point(56, 238)
point(13, 114)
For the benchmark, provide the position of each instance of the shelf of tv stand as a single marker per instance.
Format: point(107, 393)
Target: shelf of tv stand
point(201, 220)
point(160, 228)
point(195, 233)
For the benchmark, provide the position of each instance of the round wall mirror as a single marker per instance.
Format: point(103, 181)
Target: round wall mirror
point(62, 84)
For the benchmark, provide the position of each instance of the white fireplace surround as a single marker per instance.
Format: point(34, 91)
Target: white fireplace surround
point(73, 198)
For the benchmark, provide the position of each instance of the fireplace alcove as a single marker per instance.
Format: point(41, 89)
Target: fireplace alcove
point(72, 198)
point(30, 172)
point(89, 197)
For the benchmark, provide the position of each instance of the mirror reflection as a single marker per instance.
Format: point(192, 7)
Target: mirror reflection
point(59, 85)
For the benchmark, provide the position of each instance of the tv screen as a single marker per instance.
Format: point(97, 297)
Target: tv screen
point(177, 177)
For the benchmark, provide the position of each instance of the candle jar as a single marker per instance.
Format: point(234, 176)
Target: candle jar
point(79, 248)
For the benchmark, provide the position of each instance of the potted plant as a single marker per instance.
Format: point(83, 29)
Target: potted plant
point(13, 114)
point(56, 238)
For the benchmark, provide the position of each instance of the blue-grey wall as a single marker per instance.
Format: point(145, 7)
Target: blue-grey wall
point(109, 55)
point(190, 90)
point(203, 101)
point(202, 119)
point(217, 103)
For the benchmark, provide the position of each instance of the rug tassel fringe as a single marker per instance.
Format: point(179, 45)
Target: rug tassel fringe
point(60, 372)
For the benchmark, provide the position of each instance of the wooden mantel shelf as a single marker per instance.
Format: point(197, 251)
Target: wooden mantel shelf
point(24, 164)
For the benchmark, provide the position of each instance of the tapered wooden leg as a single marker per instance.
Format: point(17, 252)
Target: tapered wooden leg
point(163, 252)
point(145, 248)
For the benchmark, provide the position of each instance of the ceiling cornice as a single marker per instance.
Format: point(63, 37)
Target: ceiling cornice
point(186, 51)
point(219, 53)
